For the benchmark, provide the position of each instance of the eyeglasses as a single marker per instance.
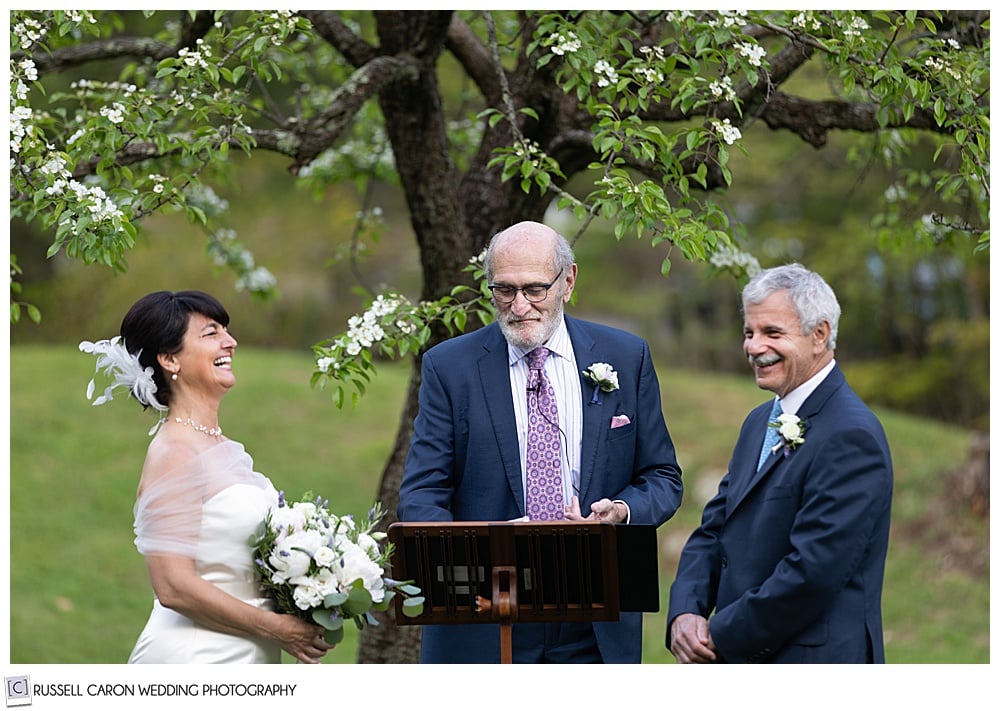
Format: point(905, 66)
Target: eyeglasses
point(533, 292)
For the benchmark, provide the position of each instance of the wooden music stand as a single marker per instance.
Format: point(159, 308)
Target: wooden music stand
point(539, 571)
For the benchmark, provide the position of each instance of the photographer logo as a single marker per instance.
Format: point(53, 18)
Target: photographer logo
point(18, 690)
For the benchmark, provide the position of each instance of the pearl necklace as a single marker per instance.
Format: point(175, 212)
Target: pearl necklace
point(210, 431)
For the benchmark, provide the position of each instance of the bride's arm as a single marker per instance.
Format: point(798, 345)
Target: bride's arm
point(180, 588)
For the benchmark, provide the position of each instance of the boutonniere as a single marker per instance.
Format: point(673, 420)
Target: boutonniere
point(792, 431)
point(604, 378)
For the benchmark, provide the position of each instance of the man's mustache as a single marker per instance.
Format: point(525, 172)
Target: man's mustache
point(764, 360)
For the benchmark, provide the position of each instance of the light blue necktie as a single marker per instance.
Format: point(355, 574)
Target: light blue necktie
point(771, 436)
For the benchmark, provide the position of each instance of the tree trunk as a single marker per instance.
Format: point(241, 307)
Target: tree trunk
point(453, 218)
point(973, 477)
point(388, 643)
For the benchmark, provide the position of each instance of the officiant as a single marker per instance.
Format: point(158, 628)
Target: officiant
point(539, 416)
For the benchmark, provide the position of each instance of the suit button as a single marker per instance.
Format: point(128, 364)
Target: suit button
point(725, 561)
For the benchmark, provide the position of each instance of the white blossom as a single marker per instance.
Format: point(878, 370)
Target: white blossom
point(114, 113)
point(856, 28)
point(327, 364)
point(28, 67)
point(807, 21)
point(256, 280)
point(730, 257)
point(752, 51)
point(606, 73)
point(942, 65)
point(895, 193)
point(730, 134)
point(651, 75)
point(723, 89)
point(563, 44)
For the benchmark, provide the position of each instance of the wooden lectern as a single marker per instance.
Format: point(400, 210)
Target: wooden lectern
point(539, 571)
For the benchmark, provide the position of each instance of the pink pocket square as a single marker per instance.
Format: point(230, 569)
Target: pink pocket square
point(619, 421)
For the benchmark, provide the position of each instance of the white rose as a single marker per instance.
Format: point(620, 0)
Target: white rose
point(285, 518)
point(324, 556)
point(340, 541)
point(605, 376)
point(355, 564)
point(347, 523)
point(789, 428)
point(602, 371)
point(369, 545)
point(307, 509)
point(309, 541)
point(288, 564)
point(306, 594)
point(326, 582)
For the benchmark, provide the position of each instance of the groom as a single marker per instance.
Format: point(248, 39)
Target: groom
point(790, 554)
point(497, 410)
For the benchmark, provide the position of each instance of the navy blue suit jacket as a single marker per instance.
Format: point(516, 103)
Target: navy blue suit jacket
point(464, 462)
point(792, 558)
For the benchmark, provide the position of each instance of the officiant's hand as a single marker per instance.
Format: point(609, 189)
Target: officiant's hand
point(572, 512)
point(602, 510)
point(302, 640)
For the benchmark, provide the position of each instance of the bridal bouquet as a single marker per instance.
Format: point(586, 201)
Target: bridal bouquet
point(327, 568)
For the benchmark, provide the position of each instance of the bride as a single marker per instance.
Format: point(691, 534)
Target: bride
point(199, 499)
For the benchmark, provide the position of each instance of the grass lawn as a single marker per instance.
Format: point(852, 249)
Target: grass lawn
point(79, 591)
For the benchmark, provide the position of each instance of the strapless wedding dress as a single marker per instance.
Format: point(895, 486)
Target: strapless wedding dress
point(223, 556)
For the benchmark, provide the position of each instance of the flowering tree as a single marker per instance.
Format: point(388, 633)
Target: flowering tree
point(116, 116)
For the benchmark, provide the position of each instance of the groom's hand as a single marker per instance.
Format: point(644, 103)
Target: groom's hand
point(691, 641)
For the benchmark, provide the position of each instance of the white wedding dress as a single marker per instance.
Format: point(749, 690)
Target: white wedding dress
point(206, 510)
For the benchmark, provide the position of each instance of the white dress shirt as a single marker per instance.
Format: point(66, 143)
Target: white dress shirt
point(791, 403)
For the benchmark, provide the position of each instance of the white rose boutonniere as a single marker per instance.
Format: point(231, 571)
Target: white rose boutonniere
point(604, 378)
point(792, 431)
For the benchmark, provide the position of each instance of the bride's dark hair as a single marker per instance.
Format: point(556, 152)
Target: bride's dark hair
point(156, 324)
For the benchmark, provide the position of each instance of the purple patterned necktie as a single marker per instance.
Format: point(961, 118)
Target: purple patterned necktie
point(543, 478)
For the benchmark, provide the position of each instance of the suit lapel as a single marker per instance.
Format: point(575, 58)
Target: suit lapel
point(746, 457)
point(585, 352)
point(494, 374)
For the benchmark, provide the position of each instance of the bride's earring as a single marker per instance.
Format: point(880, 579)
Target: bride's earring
point(174, 376)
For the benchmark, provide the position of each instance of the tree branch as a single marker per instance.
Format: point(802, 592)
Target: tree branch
point(474, 57)
point(335, 31)
point(315, 136)
point(813, 120)
point(118, 47)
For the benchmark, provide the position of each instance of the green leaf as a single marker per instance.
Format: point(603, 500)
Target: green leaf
point(358, 602)
point(334, 636)
point(328, 619)
point(413, 607)
point(334, 599)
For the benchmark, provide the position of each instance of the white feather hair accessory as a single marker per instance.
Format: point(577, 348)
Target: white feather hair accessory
point(115, 360)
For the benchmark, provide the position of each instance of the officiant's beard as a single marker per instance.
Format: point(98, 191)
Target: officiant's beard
point(533, 329)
